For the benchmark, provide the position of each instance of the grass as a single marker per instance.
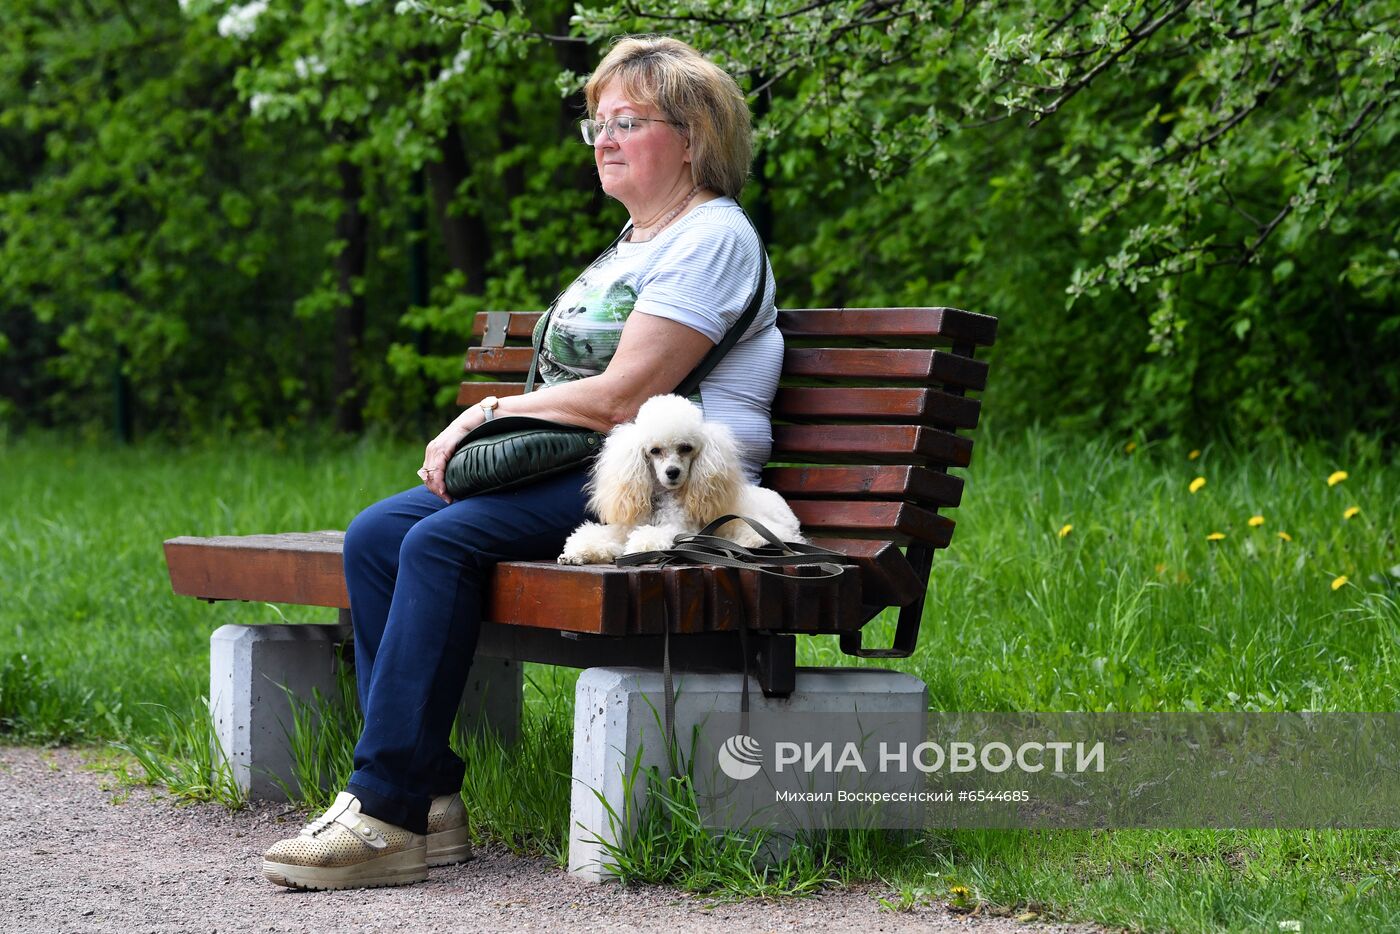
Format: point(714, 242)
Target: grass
point(1132, 608)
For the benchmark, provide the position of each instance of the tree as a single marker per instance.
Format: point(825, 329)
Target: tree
point(136, 236)
point(1183, 212)
point(1223, 173)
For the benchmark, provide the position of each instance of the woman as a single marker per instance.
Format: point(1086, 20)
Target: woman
point(671, 138)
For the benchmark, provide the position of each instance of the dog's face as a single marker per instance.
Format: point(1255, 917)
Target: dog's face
point(671, 461)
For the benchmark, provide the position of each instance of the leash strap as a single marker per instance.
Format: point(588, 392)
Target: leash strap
point(669, 701)
point(704, 547)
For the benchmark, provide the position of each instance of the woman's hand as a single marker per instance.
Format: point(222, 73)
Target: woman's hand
point(436, 455)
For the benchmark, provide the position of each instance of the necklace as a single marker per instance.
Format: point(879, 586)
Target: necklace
point(670, 216)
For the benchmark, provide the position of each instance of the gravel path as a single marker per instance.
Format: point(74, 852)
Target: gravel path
point(73, 859)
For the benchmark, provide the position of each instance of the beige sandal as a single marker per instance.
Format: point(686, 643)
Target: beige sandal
point(344, 849)
point(448, 838)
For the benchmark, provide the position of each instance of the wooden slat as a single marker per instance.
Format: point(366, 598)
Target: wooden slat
point(646, 611)
point(724, 597)
point(816, 606)
point(898, 522)
point(470, 393)
point(545, 595)
point(925, 366)
point(922, 405)
point(520, 327)
point(684, 589)
point(915, 484)
point(886, 577)
point(498, 360)
point(916, 404)
point(721, 599)
point(926, 323)
point(297, 567)
point(867, 444)
point(305, 568)
point(921, 323)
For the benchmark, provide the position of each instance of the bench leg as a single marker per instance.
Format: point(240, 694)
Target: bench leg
point(248, 668)
point(253, 669)
point(617, 723)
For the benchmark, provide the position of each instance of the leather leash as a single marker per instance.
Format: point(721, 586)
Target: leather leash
point(705, 547)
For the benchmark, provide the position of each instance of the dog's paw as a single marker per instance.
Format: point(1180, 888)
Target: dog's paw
point(747, 538)
point(649, 538)
point(590, 554)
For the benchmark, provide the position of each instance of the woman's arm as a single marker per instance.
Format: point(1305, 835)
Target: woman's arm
point(653, 355)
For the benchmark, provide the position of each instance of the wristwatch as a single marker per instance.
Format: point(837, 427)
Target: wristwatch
point(488, 406)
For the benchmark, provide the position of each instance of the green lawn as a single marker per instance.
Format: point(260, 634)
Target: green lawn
point(1082, 577)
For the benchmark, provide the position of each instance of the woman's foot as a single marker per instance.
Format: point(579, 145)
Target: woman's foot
point(344, 849)
point(448, 839)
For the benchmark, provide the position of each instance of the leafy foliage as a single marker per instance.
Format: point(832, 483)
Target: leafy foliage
point(1212, 186)
point(1183, 212)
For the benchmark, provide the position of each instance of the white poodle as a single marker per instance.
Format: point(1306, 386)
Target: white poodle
point(670, 473)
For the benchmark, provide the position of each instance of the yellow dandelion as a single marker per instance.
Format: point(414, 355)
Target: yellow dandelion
point(959, 891)
point(1352, 512)
point(1161, 569)
point(1215, 536)
point(1336, 477)
point(1066, 529)
point(1256, 521)
point(1194, 454)
point(1130, 447)
point(1196, 484)
point(1339, 582)
point(1285, 536)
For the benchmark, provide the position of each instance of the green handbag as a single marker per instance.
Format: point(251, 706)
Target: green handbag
point(513, 450)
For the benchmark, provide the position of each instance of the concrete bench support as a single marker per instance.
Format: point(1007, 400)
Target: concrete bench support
point(249, 667)
point(617, 721)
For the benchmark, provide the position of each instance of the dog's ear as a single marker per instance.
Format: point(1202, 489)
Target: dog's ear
point(620, 488)
point(712, 489)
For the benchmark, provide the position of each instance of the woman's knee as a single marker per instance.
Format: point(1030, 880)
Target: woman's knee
point(373, 536)
point(438, 542)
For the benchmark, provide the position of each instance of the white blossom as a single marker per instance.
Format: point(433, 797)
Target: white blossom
point(308, 65)
point(458, 66)
point(240, 21)
point(257, 102)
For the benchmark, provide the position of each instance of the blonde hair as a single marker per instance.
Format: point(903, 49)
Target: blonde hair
point(690, 90)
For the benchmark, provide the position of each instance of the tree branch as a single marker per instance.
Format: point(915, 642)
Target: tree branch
point(1135, 38)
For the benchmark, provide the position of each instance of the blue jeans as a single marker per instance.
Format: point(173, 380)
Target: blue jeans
point(417, 571)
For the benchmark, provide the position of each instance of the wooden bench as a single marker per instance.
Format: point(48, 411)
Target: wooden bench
point(866, 424)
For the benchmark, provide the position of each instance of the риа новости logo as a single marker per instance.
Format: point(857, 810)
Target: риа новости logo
point(740, 757)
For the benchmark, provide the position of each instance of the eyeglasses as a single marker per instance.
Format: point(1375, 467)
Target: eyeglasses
point(618, 128)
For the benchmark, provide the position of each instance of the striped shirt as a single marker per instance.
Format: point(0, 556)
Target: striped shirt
point(701, 271)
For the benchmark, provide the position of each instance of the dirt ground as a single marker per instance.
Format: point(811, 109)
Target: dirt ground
point(80, 855)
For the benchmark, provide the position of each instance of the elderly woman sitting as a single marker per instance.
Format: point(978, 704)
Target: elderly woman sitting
point(670, 134)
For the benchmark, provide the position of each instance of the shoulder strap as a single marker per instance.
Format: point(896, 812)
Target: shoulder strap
point(731, 337)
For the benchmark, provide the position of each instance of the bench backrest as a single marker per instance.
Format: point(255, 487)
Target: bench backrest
point(865, 426)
